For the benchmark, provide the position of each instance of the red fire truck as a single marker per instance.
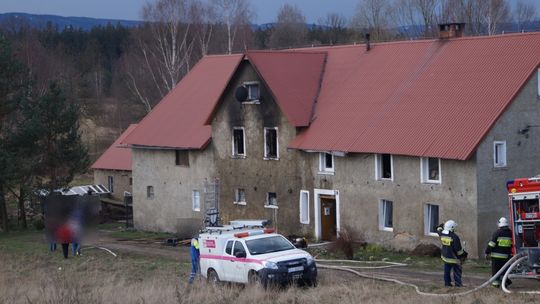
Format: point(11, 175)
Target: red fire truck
point(524, 204)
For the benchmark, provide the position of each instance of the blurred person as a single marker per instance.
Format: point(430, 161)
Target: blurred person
point(194, 252)
point(64, 235)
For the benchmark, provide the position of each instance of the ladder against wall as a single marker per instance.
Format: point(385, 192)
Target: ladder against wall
point(211, 202)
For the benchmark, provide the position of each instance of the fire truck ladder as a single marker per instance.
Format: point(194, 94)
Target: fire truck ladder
point(211, 203)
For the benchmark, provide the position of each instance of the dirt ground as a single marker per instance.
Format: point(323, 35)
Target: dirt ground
point(146, 271)
point(428, 280)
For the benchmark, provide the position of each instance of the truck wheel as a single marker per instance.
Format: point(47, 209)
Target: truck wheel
point(212, 277)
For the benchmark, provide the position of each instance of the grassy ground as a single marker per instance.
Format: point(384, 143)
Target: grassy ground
point(31, 274)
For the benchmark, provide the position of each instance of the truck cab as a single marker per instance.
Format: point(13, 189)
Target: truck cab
point(248, 254)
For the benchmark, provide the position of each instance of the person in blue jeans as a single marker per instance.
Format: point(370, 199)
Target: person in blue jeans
point(194, 252)
point(452, 253)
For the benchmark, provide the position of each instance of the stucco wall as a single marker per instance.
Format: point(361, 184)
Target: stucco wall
point(171, 208)
point(360, 192)
point(120, 182)
point(522, 154)
point(286, 176)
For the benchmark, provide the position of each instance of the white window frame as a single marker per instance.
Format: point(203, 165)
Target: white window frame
point(427, 217)
point(304, 208)
point(267, 203)
point(424, 171)
point(266, 157)
point(196, 200)
point(249, 99)
point(503, 145)
point(233, 152)
point(322, 164)
point(237, 196)
point(382, 215)
point(378, 167)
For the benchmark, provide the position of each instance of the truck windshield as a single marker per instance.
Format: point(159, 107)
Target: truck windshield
point(267, 245)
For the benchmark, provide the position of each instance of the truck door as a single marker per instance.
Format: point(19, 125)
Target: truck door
point(239, 267)
point(227, 263)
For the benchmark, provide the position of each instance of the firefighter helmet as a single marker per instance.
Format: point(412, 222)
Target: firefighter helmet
point(450, 225)
point(503, 222)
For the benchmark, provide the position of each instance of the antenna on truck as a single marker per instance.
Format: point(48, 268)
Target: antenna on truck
point(211, 203)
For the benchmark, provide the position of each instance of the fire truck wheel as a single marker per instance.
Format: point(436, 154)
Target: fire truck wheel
point(212, 277)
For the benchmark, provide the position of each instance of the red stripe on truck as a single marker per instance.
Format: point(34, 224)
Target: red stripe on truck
point(229, 258)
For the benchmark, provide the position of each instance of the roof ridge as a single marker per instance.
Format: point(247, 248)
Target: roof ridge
point(291, 51)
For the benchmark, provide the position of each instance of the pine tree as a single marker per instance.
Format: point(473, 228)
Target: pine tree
point(13, 81)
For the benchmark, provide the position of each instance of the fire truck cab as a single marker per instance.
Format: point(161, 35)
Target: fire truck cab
point(246, 252)
point(523, 203)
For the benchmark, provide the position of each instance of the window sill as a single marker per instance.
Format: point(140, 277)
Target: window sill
point(240, 203)
point(249, 102)
point(238, 156)
point(387, 229)
point(271, 207)
point(304, 223)
point(385, 179)
point(196, 210)
point(270, 158)
point(432, 234)
point(431, 182)
point(326, 173)
point(497, 168)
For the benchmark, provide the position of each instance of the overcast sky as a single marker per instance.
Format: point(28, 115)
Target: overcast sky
point(266, 10)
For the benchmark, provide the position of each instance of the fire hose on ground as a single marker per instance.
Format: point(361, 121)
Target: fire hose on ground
point(505, 269)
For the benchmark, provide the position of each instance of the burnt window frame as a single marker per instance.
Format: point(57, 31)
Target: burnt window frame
point(267, 202)
point(234, 152)
point(267, 130)
point(181, 158)
point(379, 163)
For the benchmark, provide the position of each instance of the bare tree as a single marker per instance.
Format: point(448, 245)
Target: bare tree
point(202, 16)
point(290, 29)
point(524, 13)
point(495, 12)
point(235, 15)
point(427, 9)
point(335, 27)
point(374, 16)
point(163, 53)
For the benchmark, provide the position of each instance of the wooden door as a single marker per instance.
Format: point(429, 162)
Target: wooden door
point(328, 218)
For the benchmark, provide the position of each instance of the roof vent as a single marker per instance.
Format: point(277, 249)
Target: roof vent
point(451, 30)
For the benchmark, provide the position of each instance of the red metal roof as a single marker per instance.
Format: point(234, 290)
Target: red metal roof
point(435, 98)
point(116, 157)
point(178, 121)
point(294, 79)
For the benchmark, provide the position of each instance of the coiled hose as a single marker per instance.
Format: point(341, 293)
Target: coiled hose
point(513, 261)
point(505, 278)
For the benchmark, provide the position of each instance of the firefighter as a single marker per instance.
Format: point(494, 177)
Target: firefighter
point(499, 250)
point(451, 253)
point(194, 259)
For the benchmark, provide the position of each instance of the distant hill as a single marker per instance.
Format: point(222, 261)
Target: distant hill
point(40, 21)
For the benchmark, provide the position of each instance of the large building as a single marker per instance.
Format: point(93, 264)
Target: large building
point(388, 140)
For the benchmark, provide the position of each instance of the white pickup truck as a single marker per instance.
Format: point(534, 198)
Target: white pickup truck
point(253, 255)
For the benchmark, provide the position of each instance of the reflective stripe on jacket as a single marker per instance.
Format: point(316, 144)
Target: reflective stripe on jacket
point(500, 245)
point(451, 247)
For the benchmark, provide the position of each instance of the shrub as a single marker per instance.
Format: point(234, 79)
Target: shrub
point(347, 241)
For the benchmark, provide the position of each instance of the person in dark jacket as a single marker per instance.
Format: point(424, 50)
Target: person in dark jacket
point(499, 250)
point(452, 253)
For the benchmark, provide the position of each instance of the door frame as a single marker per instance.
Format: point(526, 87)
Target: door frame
point(317, 207)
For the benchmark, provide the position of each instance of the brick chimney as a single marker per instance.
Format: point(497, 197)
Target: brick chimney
point(451, 30)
